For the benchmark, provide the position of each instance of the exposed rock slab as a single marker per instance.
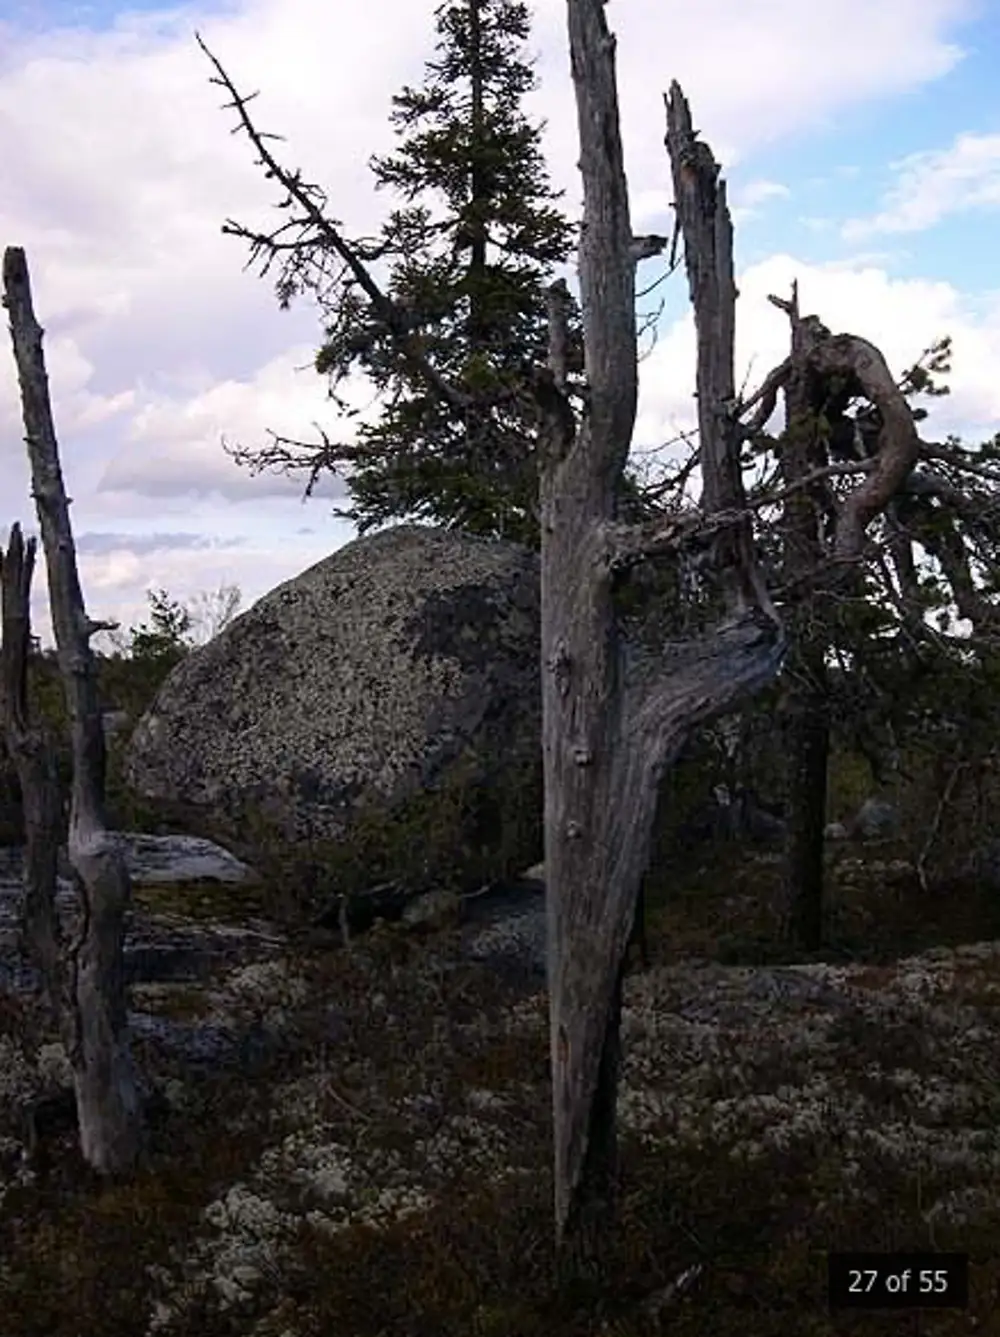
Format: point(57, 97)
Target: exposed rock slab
point(157, 946)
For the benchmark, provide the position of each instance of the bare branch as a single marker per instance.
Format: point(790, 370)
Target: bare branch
point(935, 825)
point(898, 443)
point(767, 397)
point(387, 311)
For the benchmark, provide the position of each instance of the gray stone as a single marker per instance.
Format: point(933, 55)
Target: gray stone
point(877, 819)
point(157, 947)
point(835, 831)
point(155, 860)
point(514, 940)
point(393, 675)
point(433, 909)
point(115, 723)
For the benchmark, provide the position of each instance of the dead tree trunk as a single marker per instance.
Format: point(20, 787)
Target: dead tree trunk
point(34, 760)
point(807, 739)
point(614, 718)
point(824, 372)
point(805, 704)
point(107, 1097)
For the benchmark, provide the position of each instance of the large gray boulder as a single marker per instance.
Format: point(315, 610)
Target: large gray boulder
point(379, 716)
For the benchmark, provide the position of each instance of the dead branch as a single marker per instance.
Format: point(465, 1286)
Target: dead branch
point(601, 771)
point(898, 444)
point(703, 214)
point(387, 311)
point(935, 825)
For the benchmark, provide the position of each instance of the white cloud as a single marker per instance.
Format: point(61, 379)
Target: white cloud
point(901, 316)
point(745, 202)
point(758, 192)
point(175, 445)
point(935, 184)
point(118, 169)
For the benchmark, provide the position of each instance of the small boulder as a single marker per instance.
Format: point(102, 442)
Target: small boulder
point(877, 819)
point(154, 860)
point(115, 723)
point(439, 908)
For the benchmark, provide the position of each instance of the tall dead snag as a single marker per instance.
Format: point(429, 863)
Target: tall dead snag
point(107, 1097)
point(706, 225)
point(615, 717)
point(805, 703)
point(35, 763)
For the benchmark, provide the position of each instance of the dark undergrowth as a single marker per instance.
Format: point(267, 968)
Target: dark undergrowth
point(76, 1254)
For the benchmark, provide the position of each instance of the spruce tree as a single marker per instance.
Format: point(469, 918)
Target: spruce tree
point(468, 256)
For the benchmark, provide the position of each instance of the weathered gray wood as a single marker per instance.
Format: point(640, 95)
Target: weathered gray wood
point(35, 763)
point(613, 718)
point(108, 1104)
point(804, 703)
point(704, 220)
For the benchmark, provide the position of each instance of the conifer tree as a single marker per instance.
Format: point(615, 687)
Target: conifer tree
point(461, 266)
point(470, 252)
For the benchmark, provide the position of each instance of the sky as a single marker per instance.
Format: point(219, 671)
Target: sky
point(860, 141)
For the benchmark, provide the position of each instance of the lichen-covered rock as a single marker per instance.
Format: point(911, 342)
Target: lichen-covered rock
point(379, 716)
point(877, 819)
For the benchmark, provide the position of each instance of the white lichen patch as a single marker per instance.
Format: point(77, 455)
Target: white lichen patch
point(788, 1073)
point(53, 1066)
point(464, 1143)
point(482, 1099)
point(17, 1075)
point(526, 1015)
point(264, 991)
point(961, 1206)
point(847, 1068)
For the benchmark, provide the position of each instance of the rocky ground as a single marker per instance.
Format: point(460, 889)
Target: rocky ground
point(391, 1112)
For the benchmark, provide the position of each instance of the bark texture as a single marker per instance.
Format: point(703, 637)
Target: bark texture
point(35, 763)
point(805, 704)
point(615, 717)
point(108, 1105)
point(823, 372)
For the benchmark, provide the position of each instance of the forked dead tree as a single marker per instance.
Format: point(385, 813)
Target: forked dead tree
point(615, 718)
point(612, 719)
point(616, 714)
point(85, 980)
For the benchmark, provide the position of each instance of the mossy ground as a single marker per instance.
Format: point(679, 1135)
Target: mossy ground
point(837, 1142)
point(410, 1029)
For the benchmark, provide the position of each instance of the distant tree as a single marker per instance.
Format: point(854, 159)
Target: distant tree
point(468, 257)
point(167, 633)
point(174, 628)
point(212, 613)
